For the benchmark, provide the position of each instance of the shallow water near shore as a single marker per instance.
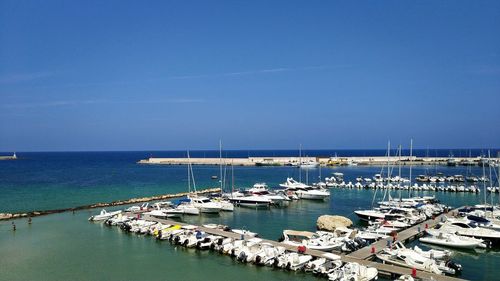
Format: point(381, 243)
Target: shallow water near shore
point(67, 246)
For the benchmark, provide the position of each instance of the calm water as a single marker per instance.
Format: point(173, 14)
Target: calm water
point(66, 246)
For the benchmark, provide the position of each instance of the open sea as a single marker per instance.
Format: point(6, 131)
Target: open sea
point(68, 247)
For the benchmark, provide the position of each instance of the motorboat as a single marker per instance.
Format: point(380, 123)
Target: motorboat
point(308, 239)
point(293, 261)
point(451, 240)
point(471, 229)
point(245, 232)
point(312, 194)
point(104, 215)
point(205, 205)
point(353, 271)
point(292, 184)
point(433, 253)
point(252, 201)
point(134, 209)
point(398, 254)
point(188, 208)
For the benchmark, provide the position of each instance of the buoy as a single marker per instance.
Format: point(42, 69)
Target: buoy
point(414, 272)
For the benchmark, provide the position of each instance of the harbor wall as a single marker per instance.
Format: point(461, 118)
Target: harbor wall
point(324, 161)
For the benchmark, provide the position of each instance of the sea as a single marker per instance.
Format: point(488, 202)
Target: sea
point(67, 246)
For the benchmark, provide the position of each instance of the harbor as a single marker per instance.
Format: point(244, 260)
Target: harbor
point(269, 222)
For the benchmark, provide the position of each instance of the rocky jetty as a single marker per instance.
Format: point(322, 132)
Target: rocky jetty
point(8, 216)
point(330, 223)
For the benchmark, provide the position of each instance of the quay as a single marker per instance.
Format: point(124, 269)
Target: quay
point(323, 161)
point(391, 271)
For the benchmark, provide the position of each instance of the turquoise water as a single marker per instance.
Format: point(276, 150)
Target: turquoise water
point(67, 247)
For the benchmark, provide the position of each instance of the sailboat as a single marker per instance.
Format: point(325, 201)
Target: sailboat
point(202, 203)
point(224, 204)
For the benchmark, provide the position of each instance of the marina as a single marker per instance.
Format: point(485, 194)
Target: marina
point(249, 140)
point(271, 221)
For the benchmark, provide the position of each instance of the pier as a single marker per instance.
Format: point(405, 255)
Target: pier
point(361, 256)
point(323, 161)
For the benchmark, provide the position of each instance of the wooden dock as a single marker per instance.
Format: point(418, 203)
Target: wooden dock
point(403, 236)
point(391, 271)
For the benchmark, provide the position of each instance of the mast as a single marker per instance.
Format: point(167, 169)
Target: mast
point(300, 163)
point(491, 181)
point(399, 173)
point(411, 163)
point(232, 177)
point(189, 174)
point(484, 187)
point(220, 164)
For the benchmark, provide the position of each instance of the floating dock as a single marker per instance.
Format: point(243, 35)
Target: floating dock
point(361, 256)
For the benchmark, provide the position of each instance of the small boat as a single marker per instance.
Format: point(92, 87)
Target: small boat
point(104, 215)
point(451, 240)
point(354, 271)
point(133, 209)
point(244, 232)
point(309, 239)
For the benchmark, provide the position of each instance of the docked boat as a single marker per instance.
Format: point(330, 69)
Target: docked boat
point(104, 215)
point(451, 240)
point(354, 271)
point(252, 201)
point(471, 230)
point(205, 205)
point(312, 194)
point(309, 239)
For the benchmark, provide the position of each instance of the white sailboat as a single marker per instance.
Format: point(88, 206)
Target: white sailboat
point(202, 203)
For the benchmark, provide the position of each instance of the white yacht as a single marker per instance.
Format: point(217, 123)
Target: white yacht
point(205, 205)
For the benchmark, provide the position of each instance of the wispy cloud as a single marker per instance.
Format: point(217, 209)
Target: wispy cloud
point(23, 77)
point(251, 72)
point(62, 103)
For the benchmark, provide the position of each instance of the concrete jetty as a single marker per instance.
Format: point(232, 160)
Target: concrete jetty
point(324, 161)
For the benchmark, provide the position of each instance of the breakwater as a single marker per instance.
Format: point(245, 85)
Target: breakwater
point(325, 161)
point(8, 216)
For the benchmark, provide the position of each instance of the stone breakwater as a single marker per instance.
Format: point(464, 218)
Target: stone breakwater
point(8, 216)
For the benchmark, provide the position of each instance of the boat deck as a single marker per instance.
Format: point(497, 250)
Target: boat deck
point(384, 269)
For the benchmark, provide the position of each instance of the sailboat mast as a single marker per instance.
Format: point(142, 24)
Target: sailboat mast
point(220, 164)
point(300, 163)
point(232, 178)
point(399, 173)
point(491, 181)
point(189, 174)
point(484, 187)
point(411, 163)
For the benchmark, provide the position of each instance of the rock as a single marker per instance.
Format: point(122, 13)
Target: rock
point(329, 223)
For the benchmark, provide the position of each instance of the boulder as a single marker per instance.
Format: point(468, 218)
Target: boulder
point(330, 223)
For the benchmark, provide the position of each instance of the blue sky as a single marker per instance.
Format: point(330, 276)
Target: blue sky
point(128, 75)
